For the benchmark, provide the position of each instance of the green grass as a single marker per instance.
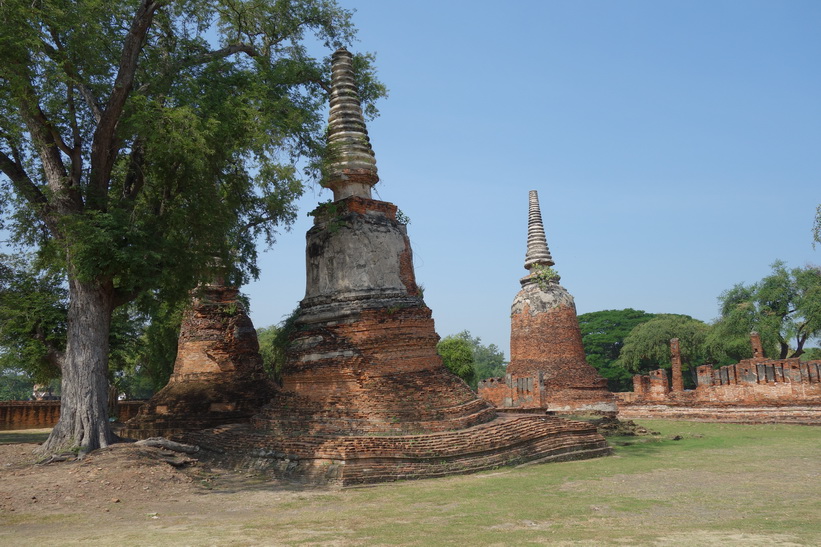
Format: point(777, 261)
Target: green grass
point(16, 436)
point(719, 484)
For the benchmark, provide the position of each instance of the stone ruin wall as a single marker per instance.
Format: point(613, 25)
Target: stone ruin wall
point(747, 382)
point(42, 414)
point(756, 390)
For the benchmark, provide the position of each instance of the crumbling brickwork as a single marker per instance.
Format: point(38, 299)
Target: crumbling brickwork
point(755, 390)
point(218, 376)
point(365, 396)
point(357, 459)
point(675, 356)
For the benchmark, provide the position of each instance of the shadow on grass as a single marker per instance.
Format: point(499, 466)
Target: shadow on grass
point(20, 436)
point(638, 446)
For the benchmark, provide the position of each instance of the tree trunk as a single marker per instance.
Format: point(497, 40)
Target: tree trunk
point(83, 423)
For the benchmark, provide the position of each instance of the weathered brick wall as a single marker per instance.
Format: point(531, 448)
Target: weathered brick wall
point(546, 346)
point(763, 382)
point(675, 355)
point(759, 413)
point(41, 414)
point(509, 391)
point(659, 386)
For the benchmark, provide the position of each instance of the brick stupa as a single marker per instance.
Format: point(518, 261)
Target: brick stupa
point(548, 368)
point(365, 396)
point(218, 376)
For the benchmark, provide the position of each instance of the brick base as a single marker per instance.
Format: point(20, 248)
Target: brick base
point(358, 459)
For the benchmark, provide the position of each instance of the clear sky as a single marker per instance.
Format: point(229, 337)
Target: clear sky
point(676, 148)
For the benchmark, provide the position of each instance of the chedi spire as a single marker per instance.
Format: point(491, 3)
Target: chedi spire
point(537, 251)
point(350, 169)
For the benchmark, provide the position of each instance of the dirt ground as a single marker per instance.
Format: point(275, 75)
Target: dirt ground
point(121, 478)
point(725, 485)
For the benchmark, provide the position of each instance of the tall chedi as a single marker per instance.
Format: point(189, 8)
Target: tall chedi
point(545, 339)
point(365, 396)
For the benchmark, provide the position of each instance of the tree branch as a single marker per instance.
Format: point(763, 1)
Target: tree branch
point(59, 56)
point(135, 178)
point(103, 146)
point(21, 181)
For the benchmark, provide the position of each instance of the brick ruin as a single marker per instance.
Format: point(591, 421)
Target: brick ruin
point(548, 369)
point(365, 396)
point(218, 376)
point(752, 390)
point(45, 413)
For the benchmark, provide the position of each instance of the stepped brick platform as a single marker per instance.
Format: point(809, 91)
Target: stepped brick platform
point(548, 368)
point(218, 376)
point(354, 460)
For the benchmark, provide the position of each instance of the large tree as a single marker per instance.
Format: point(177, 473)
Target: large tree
point(603, 335)
point(139, 139)
point(784, 308)
point(647, 347)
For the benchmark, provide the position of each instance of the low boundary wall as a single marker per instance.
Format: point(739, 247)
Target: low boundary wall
point(41, 414)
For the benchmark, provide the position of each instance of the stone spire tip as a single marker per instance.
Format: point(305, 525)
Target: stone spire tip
point(537, 251)
point(350, 169)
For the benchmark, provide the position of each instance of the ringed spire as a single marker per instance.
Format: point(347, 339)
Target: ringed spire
point(537, 251)
point(350, 169)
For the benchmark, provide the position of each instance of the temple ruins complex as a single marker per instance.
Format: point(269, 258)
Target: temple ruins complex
point(750, 391)
point(365, 396)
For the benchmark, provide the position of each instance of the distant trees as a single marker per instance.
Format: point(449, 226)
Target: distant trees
point(647, 347)
point(603, 335)
point(33, 307)
point(784, 308)
point(457, 356)
point(466, 356)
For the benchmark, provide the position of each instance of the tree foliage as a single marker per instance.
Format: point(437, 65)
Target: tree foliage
point(138, 140)
point(488, 360)
point(33, 305)
point(15, 385)
point(603, 335)
point(784, 308)
point(647, 347)
point(273, 345)
point(457, 355)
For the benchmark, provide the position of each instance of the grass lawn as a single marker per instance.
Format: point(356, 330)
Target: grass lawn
point(695, 484)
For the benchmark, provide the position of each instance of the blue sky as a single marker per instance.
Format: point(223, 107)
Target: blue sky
point(676, 148)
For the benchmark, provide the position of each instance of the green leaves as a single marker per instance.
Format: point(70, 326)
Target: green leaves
point(784, 308)
point(33, 308)
point(648, 345)
point(457, 356)
point(603, 335)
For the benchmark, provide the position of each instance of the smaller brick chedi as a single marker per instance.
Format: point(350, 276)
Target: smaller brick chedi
point(218, 376)
point(365, 397)
point(548, 368)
